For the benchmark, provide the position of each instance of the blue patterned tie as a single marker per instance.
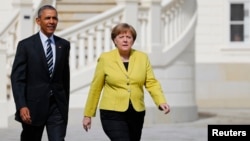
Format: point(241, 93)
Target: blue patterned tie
point(49, 56)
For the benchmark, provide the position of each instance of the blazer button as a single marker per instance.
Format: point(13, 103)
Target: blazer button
point(127, 83)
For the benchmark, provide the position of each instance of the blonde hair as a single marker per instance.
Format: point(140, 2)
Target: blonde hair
point(123, 28)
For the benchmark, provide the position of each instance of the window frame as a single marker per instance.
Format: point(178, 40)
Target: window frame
point(245, 44)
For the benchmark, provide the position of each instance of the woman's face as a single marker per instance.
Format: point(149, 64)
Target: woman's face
point(124, 41)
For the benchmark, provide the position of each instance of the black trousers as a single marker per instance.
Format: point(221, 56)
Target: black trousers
point(123, 126)
point(55, 126)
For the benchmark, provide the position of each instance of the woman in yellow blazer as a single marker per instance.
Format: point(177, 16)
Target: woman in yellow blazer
point(119, 79)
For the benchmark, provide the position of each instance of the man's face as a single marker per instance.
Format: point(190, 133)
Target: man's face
point(47, 21)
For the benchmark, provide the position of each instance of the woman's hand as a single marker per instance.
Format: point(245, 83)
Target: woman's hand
point(164, 107)
point(86, 123)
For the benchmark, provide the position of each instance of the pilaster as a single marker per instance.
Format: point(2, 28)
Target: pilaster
point(3, 89)
point(130, 12)
point(26, 17)
point(154, 26)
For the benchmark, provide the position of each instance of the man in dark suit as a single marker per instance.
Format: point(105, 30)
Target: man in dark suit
point(40, 80)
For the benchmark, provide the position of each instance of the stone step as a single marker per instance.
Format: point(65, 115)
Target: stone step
point(71, 12)
point(86, 1)
point(83, 8)
point(63, 17)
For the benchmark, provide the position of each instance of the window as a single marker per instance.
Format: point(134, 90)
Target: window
point(239, 22)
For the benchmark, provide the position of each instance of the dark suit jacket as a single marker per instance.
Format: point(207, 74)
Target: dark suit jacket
point(31, 83)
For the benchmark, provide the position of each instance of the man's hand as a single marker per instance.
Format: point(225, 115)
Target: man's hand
point(25, 115)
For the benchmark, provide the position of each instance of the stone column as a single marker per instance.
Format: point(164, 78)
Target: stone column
point(3, 89)
point(130, 12)
point(178, 81)
point(154, 26)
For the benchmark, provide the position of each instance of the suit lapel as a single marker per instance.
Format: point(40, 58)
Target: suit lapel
point(119, 62)
point(58, 49)
point(41, 52)
point(131, 62)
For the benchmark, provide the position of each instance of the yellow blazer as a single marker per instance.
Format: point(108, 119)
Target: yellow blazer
point(120, 85)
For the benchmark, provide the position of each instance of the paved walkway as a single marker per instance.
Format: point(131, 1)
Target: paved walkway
point(191, 131)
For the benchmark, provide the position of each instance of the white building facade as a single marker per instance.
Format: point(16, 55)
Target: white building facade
point(223, 54)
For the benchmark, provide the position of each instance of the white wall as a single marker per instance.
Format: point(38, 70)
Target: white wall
point(210, 30)
point(222, 71)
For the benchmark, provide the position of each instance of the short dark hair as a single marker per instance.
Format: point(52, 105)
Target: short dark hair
point(39, 13)
point(123, 28)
